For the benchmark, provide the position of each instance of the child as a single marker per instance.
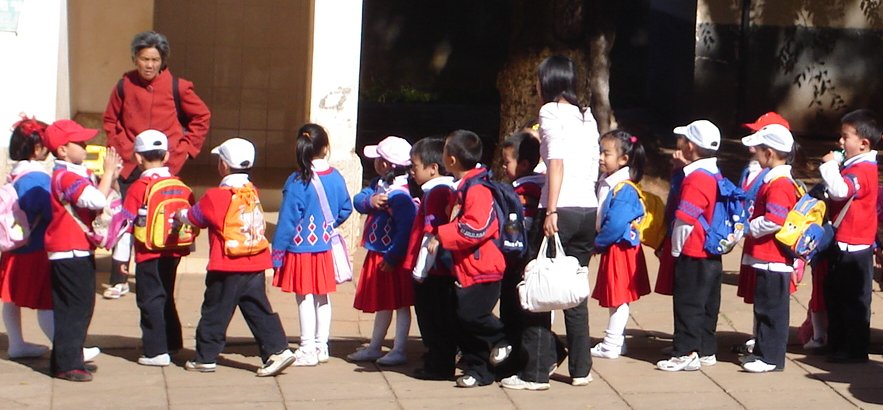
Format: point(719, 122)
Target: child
point(434, 285)
point(303, 260)
point(24, 272)
point(384, 284)
point(467, 236)
point(774, 150)
point(622, 274)
point(852, 188)
point(697, 274)
point(235, 278)
point(155, 271)
point(75, 198)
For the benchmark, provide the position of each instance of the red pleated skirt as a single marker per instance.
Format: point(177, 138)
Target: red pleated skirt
point(306, 273)
point(665, 277)
point(378, 290)
point(817, 300)
point(26, 280)
point(622, 276)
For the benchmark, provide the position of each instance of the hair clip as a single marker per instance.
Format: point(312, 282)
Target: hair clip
point(305, 135)
point(29, 125)
point(633, 139)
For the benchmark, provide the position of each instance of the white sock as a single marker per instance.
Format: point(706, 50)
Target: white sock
point(382, 319)
point(12, 321)
point(619, 317)
point(819, 325)
point(403, 326)
point(323, 319)
point(306, 310)
point(46, 320)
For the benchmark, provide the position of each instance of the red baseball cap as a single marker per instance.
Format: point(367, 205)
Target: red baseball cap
point(767, 119)
point(62, 132)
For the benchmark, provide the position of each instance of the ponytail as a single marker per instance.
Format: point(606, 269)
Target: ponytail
point(312, 139)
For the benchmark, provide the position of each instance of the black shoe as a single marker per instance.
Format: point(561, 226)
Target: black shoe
point(424, 374)
point(75, 376)
point(91, 367)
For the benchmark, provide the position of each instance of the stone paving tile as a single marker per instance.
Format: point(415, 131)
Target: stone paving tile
point(356, 404)
point(457, 401)
point(674, 400)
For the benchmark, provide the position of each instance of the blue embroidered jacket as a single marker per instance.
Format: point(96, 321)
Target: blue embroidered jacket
point(387, 230)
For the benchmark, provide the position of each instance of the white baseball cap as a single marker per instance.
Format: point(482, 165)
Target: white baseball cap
point(775, 136)
point(393, 149)
point(702, 133)
point(151, 140)
point(237, 153)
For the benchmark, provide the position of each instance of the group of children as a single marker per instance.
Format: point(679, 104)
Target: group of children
point(429, 231)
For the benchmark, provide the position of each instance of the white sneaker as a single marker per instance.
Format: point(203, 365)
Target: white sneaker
point(323, 353)
point(500, 353)
point(467, 381)
point(116, 291)
point(676, 364)
point(194, 366)
point(515, 383)
point(364, 355)
point(708, 360)
point(90, 353)
point(813, 344)
point(758, 366)
point(581, 381)
point(605, 351)
point(27, 351)
point(306, 357)
point(393, 358)
point(749, 345)
point(276, 363)
point(161, 360)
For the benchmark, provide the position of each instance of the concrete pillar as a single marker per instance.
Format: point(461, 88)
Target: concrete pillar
point(334, 89)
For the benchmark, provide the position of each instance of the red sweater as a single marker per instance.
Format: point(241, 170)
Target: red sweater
point(152, 106)
point(134, 200)
point(859, 226)
point(469, 236)
point(773, 202)
point(209, 213)
point(63, 233)
point(434, 210)
point(698, 195)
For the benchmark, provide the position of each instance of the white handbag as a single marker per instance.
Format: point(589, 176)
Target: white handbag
point(553, 283)
point(343, 268)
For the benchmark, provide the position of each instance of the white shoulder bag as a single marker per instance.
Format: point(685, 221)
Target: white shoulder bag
point(343, 268)
point(553, 283)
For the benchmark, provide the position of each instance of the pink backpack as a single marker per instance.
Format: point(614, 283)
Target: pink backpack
point(14, 226)
point(109, 224)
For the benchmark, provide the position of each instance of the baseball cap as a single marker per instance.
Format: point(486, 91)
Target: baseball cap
point(393, 149)
point(62, 132)
point(702, 133)
point(775, 136)
point(767, 119)
point(237, 153)
point(151, 140)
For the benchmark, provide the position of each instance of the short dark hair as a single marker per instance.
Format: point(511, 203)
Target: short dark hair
point(865, 123)
point(465, 146)
point(152, 39)
point(26, 134)
point(430, 150)
point(153, 155)
point(525, 146)
point(705, 152)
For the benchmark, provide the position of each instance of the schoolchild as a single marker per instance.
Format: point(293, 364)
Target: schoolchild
point(302, 253)
point(75, 196)
point(697, 274)
point(238, 258)
point(384, 284)
point(622, 273)
point(433, 282)
point(852, 188)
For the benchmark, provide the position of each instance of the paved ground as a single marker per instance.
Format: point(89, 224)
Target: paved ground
point(630, 382)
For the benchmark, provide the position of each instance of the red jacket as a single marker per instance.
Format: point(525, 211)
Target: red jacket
point(152, 106)
point(134, 200)
point(63, 233)
point(434, 210)
point(698, 195)
point(469, 236)
point(859, 226)
point(773, 202)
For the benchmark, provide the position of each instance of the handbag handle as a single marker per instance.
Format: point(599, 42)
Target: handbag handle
point(559, 248)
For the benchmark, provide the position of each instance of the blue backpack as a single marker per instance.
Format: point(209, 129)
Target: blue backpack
point(512, 239)
point(729, 220)
point(753, 189)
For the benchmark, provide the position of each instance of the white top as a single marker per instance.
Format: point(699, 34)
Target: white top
point(572, 136)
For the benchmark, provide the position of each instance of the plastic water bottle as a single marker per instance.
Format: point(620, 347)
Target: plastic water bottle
point(142, 217)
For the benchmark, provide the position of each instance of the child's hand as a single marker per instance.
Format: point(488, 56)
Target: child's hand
point(432, 245)
point(112, 162)
point(677, 160)
point(385, 267)
point(829, 156)
point(379, 201)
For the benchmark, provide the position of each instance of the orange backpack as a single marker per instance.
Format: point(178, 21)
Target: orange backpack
point(156, 226)
point(244, 225)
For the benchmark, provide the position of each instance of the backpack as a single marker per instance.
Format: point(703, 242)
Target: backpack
point(14, 226)
point(651, 226)
point(107, 227)
point(245, 228)
point(156, 226)
point(512, 239)
point(729, 218)
point(752, 190)
point(805, 232)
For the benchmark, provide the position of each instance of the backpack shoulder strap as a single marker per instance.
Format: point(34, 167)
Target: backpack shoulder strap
point(121, 89)
point(176, 95)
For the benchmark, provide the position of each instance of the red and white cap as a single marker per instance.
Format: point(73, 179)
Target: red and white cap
point(767, 119)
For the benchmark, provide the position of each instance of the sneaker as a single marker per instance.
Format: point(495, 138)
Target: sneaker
point(90, 353)
point(814, 343)
point(306, 357)
point(500, 353)
point(676, 364)
point(581, 381)
point(116, 291)
point(710, 360)
point(364, 355)
point(605, 351)
point(393, 358)
point(515, 383)
point(467, 381)
point(758, 366)
point(322, 354)
point(75, 376)
point(193, 365)
point(746, 348)
point(276, 363)
point(27, 351)
point(161, 360)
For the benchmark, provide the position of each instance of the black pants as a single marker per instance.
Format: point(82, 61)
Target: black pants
point(73, 301)
point(576, 229)
point(160, 326)
point(697, 300)
point(848, 298)
point(772, 294)
point(480, 330)
point(224, 291)
point(434, 302)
